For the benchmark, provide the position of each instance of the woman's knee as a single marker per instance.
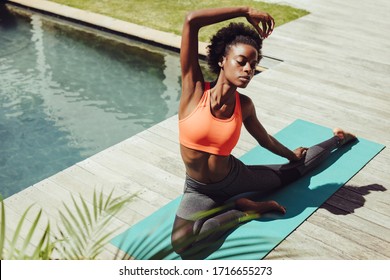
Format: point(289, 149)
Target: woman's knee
point(182, 235)
point(291, 172)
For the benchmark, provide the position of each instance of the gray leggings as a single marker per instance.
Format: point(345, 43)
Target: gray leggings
point(199, 198)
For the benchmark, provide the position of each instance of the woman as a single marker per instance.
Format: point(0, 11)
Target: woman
point(210, 119)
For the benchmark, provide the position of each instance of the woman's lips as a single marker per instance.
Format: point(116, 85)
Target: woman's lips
point(245, 78)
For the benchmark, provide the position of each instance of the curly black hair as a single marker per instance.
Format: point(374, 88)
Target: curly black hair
point(228, 36)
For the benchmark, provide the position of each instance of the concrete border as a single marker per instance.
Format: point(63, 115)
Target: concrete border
point(106, 23)
point(119, 27)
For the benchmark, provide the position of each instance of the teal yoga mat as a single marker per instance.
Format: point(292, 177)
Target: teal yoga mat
point(150, 238)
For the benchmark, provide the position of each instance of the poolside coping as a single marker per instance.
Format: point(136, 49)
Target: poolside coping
point(124, 28)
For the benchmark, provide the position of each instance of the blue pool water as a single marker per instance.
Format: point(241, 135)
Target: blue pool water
point(67, 92)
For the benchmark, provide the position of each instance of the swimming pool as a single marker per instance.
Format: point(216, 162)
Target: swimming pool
point(68, 92)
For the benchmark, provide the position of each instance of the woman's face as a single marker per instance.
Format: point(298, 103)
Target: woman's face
point(239, 64)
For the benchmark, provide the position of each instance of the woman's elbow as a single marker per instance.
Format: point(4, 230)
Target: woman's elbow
point(191, 19)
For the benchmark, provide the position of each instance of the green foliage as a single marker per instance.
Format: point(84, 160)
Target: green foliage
point(168, 16)
point(82, 231)
point(154, 243)
point(83, 234)
point(11, 249)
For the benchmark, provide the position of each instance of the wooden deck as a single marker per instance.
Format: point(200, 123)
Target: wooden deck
point(335, 72)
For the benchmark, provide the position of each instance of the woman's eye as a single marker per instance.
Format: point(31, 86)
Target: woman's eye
point(241, 62)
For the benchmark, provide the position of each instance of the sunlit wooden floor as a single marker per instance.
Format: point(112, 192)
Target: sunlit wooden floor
point(335, 72)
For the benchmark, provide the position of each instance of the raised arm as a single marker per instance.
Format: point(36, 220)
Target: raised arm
point(192, 77)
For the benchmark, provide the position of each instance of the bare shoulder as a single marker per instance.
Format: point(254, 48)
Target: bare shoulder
point(245, 100)
point(247, 106)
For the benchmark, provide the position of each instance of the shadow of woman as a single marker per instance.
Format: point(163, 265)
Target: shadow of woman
point(308, 192)
point(309, 200)
point(351, 198)
point(252, 241)
point(301, 199)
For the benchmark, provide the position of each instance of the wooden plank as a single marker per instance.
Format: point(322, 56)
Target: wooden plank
point(347, 248)
point(373, 247)
point(359, 197)
point(365, 213)
point(376, 232)
point(141, 172)
point(300, 246)
point(334, 72)
point(156, 155)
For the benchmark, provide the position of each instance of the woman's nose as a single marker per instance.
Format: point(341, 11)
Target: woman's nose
point(248, 68)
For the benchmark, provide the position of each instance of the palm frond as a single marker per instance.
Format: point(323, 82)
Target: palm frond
point(88, 218)
point(91, 223)
point(153, 244)
point(12, 249)
point(81, 215)
point(30, 233)
point(76, 249)
point(2, 228)
point(42, 251)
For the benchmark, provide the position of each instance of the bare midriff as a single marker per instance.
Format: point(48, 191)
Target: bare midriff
point(205, 167)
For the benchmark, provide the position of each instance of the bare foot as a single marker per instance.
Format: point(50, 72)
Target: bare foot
point(345, 137)
point(252, 207)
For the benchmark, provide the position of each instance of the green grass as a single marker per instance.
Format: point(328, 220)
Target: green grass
point(168, 15)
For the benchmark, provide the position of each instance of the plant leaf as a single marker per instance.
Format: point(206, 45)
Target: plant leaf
point(42, 252)
point(2, 228)
point(32, 230)
point(86, 210)
point(81, 216)
point(12, 251)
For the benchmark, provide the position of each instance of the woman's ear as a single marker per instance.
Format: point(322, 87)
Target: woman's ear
point(221, 63)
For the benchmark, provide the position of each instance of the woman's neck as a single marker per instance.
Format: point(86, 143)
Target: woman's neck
point(222, 93)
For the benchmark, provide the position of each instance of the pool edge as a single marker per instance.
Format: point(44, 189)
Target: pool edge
point(106, 23)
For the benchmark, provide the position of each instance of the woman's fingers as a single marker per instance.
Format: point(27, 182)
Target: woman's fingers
point(271, 25)
point(267, 25)
point(260, 31)
point(265, 32)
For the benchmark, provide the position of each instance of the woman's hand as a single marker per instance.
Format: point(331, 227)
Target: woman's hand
point(299, 153)
point(255, 17)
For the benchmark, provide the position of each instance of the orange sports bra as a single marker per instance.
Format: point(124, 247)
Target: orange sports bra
point(203, 132)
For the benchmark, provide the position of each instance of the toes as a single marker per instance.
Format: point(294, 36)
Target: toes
point(339, 133)
point(345, 137)
point(249, 206)
point(277, 207)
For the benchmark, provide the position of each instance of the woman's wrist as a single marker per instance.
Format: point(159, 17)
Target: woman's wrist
point(290, 155)
point(248, 12)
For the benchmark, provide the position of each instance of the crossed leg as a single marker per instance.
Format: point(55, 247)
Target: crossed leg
point(192, 233)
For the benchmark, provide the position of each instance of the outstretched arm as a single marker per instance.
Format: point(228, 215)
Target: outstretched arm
point(192, 77)
point(256, 129)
